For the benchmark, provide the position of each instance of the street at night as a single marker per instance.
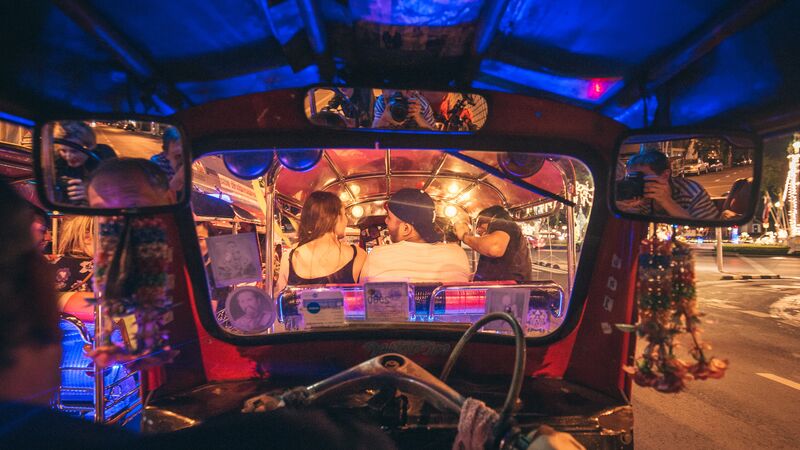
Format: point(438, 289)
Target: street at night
point(755, 324)
point(717, 184)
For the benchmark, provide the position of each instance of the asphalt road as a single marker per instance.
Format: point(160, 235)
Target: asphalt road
point(718, 183)
point(755, 324)
point(129, 144)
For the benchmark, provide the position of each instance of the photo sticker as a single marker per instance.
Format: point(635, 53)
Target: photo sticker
point(234, 259)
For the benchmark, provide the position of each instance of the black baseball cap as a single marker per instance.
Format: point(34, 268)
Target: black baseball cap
point(417, 208)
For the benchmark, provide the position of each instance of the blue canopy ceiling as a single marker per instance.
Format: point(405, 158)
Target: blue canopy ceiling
point(155, 56)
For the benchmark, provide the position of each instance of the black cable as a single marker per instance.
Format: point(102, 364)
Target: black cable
point(519, 363)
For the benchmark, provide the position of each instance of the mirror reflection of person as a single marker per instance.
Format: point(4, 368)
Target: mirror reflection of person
point(417, 253)
point(738, 199)
point(170, 160)
point(320, 256)
point(665, 195)
point(503, 248)
point(420, 114)
point(249, 312)
point(78, 154)
point(128, 183)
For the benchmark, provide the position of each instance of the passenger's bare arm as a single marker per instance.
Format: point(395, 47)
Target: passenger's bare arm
point(493, 244)
point(358, 264)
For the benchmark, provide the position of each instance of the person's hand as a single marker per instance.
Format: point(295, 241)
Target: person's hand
point(386, 121)
point(657, 189)
point(728, 214)
point(415, 113)
point(76, 190)
point(630, 206)
point(460, 229)
point(546, 438)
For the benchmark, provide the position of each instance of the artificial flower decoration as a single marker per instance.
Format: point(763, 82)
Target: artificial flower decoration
point(133, 253)
point(667, 303)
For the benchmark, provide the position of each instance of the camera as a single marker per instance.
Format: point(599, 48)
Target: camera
point(631, 187)
point(398, 107)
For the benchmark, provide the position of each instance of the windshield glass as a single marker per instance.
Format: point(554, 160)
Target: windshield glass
point(353, 237)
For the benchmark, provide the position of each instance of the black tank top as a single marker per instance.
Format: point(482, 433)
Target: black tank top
point(341, 276)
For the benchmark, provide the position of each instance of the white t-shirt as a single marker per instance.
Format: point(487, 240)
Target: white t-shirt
point(412, 261)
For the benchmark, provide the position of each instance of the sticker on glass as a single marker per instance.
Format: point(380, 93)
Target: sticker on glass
point(234, 259)
point(249, 309)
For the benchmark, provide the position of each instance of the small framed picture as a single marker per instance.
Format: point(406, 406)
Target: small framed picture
point(249, 309)
point(234, 259)
point(514, 301)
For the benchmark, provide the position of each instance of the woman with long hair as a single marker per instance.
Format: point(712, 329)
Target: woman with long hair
point(75, 248)
point(320, 256)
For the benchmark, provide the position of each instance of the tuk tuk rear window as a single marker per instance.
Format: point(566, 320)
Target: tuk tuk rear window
point(369, 266)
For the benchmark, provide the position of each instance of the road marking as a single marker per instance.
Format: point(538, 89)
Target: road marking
point(780, 380)
point(757, 314)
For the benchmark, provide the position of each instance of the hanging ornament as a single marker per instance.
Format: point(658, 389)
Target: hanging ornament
point(667, 304)
point(132, 279)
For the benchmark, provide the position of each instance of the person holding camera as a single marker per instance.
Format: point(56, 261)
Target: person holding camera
point(407, 109)
point(649, 188)
point(77, 155)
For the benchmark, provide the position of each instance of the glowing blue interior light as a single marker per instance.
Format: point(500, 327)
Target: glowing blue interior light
point(16, 119)
point(437, 13)
point(593, 90)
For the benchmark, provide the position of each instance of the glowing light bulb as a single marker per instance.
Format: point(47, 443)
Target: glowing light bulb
point(453, 188)
point(450, 211)
point(357, 211)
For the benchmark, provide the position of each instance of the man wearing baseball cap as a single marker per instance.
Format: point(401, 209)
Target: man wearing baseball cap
point(417, 253)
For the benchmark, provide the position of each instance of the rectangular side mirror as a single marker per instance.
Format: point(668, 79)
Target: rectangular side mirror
point(701, 179)
point(112, 167)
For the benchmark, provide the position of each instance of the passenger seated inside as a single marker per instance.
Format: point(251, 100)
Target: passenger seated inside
point(75, 250)
point(503, 248)
point(128, 183)
point(417, 253)
point(170, 160)
point(320, 256)
point(738, 199)
point(78, 154)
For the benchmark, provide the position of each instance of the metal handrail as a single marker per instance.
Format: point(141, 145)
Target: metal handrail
point(83, 331)
point(543, 285)
point(292, 289)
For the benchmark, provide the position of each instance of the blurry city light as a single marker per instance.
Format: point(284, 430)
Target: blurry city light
point(357, 211)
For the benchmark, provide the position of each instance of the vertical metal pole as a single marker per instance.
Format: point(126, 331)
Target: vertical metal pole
point(99, 382)
point(720, 267)
point(269, 238)
point(54, 235)
point(570, 248)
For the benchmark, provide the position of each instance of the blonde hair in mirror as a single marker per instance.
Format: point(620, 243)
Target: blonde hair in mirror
point(72, 238)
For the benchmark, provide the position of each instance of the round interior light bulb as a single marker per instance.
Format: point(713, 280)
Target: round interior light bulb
point(355, 189)
point(450, 211)
point(453, 188)
point(357, 211)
